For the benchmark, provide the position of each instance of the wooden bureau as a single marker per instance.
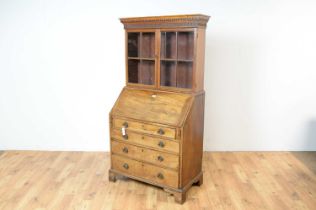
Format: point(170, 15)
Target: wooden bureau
point(156, 124)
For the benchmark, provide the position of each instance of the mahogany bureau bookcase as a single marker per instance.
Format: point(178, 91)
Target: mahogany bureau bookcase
point(156, 124)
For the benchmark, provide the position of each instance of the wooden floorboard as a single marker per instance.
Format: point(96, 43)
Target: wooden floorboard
point(232, 180)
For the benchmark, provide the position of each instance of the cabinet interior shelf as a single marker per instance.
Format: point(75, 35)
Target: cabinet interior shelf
point(138, 58)
point(179, 60)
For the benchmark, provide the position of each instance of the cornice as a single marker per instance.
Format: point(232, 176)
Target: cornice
point(193, 20)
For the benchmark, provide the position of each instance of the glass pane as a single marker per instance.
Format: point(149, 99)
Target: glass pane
point(184, 74)
point(168, 45)
point(147, 73)
point(185, 45)
point(148, 45)
point(168, 73)
point(133, 44)
point(133, 69)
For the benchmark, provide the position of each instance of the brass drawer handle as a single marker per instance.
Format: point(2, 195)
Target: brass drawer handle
point(125, 150)
point(125, 124)
point(125, 165)
point(160, 176)
point(125, 136)
point(160, 158)
point(161, 131)
point(161, 144)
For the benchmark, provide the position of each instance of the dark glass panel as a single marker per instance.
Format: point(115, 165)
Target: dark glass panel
point(184, 74)
point(133, 44)
point(185, 45)
point(168, 73)
point(168, 45)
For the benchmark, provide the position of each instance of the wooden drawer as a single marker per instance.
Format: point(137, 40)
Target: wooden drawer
point(145, 171)
point(148, 155)
point(145, 128)
point(156, 143)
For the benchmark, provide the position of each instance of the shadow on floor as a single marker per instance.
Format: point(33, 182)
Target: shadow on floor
point(307, 158)
point(310, 142)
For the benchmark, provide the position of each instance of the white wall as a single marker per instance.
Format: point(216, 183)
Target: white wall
point(62, 67)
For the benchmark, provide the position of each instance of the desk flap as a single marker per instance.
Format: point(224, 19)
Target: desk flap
point(153, 106)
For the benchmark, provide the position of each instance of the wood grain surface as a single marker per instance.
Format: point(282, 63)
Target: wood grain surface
point(145, 155)
point(144, 127)
point(166, 108)
point(148, 141)
point(232, 180)
point(145, 171)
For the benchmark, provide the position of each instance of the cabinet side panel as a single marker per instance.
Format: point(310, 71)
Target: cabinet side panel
point(192, 144)
point(199, 64)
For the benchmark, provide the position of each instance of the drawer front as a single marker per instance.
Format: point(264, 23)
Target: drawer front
point(145, 171)
point(156, 143)
point(148, 155)
point(145, 128)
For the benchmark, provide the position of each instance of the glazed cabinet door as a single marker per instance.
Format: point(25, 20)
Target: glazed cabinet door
point(176, 58)
point(141, 57)
point(167, 54)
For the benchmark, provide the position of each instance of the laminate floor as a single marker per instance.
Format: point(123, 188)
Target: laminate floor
point(31, 180)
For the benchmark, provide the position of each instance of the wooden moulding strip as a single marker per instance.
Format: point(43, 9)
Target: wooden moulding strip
point(192, 20)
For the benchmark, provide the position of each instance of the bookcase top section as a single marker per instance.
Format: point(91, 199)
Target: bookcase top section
point(170, 21)
point(153, 106)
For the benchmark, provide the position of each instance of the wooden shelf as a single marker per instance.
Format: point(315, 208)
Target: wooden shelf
point(179, 60)
point(138, 58)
